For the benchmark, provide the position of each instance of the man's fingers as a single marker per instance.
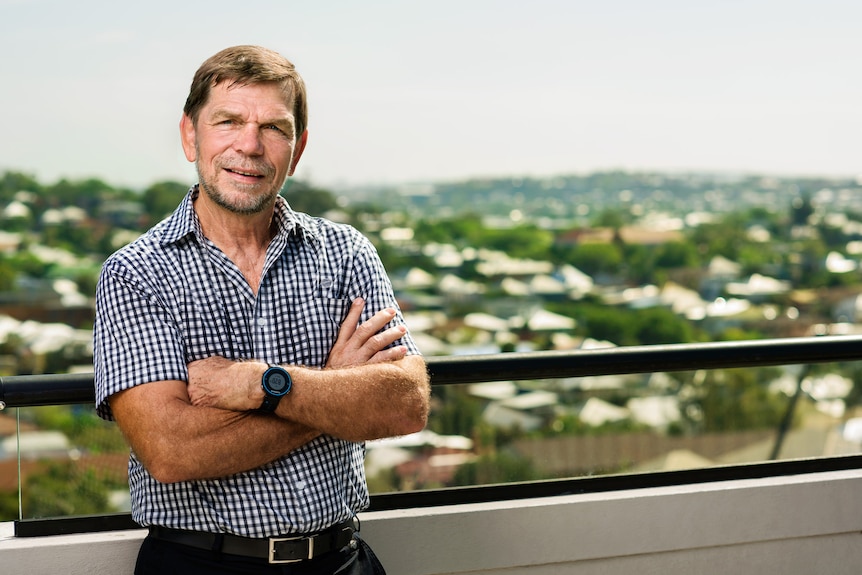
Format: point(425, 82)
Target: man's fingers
point(380, 340)
point(366, 342)
point(348, 326)
point(390, 354)
point(374, 324)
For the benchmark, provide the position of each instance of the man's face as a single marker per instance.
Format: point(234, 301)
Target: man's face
point(244, 145)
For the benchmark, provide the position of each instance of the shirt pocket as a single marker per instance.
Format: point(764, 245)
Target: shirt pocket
point(323, 319)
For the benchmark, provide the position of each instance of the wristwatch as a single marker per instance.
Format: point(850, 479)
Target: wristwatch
point(276, 383)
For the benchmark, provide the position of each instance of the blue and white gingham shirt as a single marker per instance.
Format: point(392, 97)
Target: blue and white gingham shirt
point(172, 297)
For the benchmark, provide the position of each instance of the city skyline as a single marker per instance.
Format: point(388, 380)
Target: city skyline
point(405, 93)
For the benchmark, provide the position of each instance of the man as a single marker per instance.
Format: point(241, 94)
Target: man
point(247, 351)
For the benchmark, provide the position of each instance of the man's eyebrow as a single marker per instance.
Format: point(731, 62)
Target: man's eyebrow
point(284, 123)
point(222, 114)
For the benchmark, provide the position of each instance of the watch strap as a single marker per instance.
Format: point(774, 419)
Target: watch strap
point(270, 402)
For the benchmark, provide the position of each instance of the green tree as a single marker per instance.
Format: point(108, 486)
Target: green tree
point(162, 198)
point(660, 325)
point(463, 230)
point(304, 197)
point(13, 182)
point(594, 258)
point(676, 255)
point(801, 209)
point(526, 241)
point(65, 489)
point(86, 194)
point(612, 218)
point(7, 274)
point(739, 399)
point(456, 412)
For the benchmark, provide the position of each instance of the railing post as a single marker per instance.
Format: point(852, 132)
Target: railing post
point(787, 420)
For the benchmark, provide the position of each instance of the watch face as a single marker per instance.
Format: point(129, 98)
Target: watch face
point(276, 382)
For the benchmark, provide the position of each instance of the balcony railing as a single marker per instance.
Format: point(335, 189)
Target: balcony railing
point(70, 389)
point(67, 389)
point(565, 496)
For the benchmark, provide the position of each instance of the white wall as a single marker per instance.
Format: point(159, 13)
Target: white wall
point(801, 524)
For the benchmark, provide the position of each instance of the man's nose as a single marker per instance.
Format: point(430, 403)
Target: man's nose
point(248, 140)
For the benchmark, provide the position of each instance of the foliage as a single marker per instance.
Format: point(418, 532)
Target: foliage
point(723, 238)
point(623, 326)
point(13, 182)
point(80, 424)
point(737, 399)
point(26, 263)
point(455, 411)
point(161, 199)
point(463, 230)
point(592, 258)
point(8, 273)
point(66, 489)
point(304, 197)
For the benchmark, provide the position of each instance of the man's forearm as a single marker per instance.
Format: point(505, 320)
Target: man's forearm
point(177, 441)
point(237, 444)
point(363, 402)
point(356, 403)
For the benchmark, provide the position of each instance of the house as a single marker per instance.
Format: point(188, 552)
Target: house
point(718, 273)
point(597, 412)
point(757, 287)
point(424, 458)
point(527, 411)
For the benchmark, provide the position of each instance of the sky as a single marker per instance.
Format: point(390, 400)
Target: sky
point(419, 91)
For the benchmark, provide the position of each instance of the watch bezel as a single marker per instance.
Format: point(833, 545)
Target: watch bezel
point(264, 382)
point(272, 398)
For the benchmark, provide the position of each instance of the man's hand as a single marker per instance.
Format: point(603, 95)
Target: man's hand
point(219, 382)
point(360, 344)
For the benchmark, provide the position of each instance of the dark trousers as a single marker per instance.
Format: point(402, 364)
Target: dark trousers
point(157, 557)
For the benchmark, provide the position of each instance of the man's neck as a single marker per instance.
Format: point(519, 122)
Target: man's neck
point(231, 231)
point(243, 238)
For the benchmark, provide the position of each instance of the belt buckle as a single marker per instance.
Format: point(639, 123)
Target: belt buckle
point(274, 540)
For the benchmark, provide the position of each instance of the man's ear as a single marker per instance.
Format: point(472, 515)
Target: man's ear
point(297, 152)
point(187, 136)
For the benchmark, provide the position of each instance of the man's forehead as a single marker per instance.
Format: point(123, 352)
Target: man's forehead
point(270, 95)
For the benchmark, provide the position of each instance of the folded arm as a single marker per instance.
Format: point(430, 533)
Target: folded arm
point(209, 427)
point(366, 391)
point(178, 441)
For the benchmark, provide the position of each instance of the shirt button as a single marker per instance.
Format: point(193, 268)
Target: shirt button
point(261, 321)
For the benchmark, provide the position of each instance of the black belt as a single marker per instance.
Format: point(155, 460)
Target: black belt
point(287, 549)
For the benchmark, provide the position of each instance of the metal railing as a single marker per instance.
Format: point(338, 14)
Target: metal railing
point(66, 389)
point(69, 389)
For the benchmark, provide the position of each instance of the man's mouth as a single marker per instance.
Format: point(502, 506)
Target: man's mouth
point(244, 173)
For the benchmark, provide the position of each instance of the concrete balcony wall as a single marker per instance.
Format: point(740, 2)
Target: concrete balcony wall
point(802, 524)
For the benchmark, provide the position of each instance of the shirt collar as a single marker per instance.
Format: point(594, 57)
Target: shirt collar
point(184, 220)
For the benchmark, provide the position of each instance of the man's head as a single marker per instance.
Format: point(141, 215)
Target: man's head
point(244, 127)
point(248, 65)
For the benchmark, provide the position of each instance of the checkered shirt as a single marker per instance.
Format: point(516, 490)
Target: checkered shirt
point(172, 297)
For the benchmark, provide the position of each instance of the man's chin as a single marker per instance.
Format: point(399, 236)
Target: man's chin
point(244, 200)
